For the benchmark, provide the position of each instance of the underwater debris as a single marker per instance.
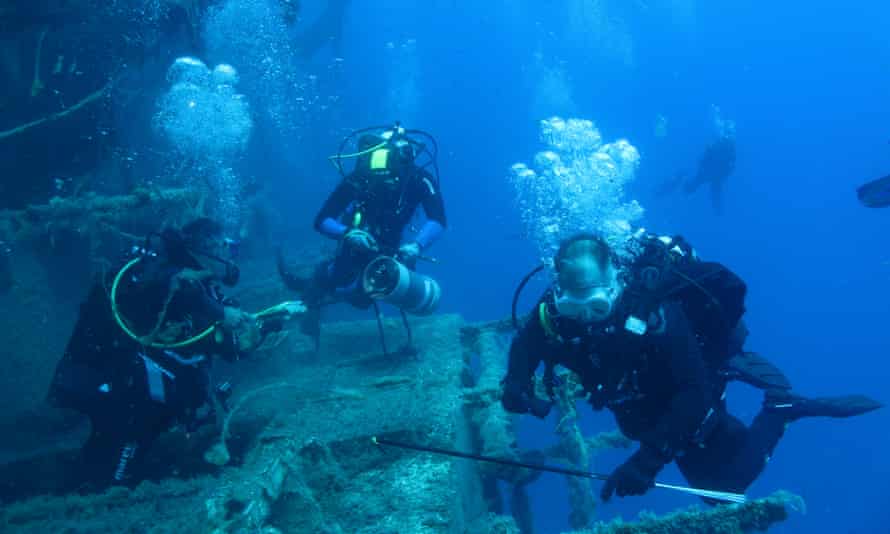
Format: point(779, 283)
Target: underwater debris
point(84, 212)
point(389, 381)
point(85, 101)
point(755, 515)
point(339, 393)
point(575, 450)
point(218, 454)
point(37, 85)
point(312, 470)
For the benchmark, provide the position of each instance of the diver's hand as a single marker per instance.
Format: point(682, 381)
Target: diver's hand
point(360, 240)
point(515, 400)
point(273, 319)
point(409, 252)
point(245, 329)
point(286, 309)
point(633, 477)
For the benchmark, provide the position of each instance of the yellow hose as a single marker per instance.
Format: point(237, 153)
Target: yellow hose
point(120, 322)
point(354, 154)
point(194, 339)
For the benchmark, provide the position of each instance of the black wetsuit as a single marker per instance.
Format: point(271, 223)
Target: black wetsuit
point(717, 163)
point(385, 213)
point(661, 388)
point(133, 393)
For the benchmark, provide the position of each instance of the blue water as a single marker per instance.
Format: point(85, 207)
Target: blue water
point(808, 84)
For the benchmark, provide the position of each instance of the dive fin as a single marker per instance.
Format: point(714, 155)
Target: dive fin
point(757, 371)
point(794, 407)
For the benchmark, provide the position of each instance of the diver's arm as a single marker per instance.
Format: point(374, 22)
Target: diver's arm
point(692, 397)
point(525, 350)
point(327, 221)
point(434, 209)
point(428, 234)
point(196, 300)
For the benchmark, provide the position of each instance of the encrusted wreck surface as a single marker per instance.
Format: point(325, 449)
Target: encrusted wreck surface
point(753, 516)
point(299, 455)
point(303, 456)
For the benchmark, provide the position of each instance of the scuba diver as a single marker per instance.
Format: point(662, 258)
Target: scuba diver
point(395, 177)
point(716, 164)
point(655, 339)
point(875, 194)
point(139, 359)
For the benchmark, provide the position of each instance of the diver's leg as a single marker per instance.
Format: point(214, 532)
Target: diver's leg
point(711, 465)
point(732, 457)
point(109, 454)
point(761, 438)
point(313, 291)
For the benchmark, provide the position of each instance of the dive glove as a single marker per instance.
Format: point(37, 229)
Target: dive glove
point(516, 400)
point(635, 476)
point(409, 252)
point(360, 240)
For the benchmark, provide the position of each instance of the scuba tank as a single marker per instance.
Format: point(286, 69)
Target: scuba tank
point(388, 280)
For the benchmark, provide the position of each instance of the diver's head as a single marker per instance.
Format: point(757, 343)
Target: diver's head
point(389, 158)
point(587, 284)
point(211, 250)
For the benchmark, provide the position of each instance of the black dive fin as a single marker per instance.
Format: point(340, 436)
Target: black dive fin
point(757, 371)
point(794, 407)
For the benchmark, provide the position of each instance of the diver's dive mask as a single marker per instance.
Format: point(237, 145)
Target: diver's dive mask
point(586, 289)
point(229, 273)
point(589, 304)
point(216, 250)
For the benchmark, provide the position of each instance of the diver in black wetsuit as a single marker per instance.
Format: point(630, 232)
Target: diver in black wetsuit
point(138, 361)
point(368, 214)
point(715, 166)
point(717, 163)
point(656, 342)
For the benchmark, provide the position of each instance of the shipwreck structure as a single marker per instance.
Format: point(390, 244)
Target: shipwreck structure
point(297, 451)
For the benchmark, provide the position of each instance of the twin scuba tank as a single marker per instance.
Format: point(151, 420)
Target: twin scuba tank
point(387, 279)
